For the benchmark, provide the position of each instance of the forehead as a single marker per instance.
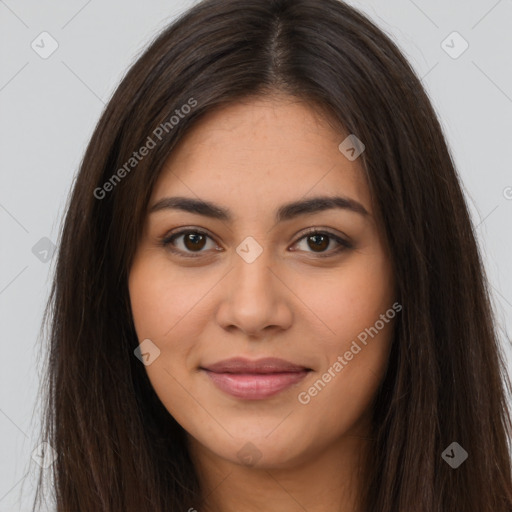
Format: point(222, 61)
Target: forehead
point(259, 153)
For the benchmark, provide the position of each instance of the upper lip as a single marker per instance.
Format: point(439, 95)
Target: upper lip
point(265, 365)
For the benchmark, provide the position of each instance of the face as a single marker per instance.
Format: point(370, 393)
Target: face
point(248, 264)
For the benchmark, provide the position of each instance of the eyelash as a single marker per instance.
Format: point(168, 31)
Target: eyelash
point(166, 242)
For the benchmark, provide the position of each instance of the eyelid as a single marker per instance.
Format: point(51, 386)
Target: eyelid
point(342, 240)
point(167, 239)
point(319, 230)
point(343, 243)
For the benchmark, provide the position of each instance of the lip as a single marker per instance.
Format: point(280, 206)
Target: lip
point(255, 380)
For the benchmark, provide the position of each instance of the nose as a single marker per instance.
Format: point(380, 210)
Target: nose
point(254, 299)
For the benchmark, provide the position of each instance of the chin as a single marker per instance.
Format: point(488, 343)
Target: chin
point(261, 450)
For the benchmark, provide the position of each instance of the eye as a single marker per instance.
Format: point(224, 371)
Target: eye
point(319, 241)
point(193, 241)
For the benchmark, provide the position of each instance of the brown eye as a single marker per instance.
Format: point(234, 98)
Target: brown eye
point(188, 243)
point(194, 241)
point(318, 241)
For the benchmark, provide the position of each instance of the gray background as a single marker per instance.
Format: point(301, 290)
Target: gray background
point(49, 108)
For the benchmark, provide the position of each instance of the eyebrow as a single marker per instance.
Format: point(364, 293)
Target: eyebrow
point(286, 212)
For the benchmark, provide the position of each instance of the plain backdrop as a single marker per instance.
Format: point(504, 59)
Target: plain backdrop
point(50, 104)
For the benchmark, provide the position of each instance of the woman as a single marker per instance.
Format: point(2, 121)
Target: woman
point(268, 294)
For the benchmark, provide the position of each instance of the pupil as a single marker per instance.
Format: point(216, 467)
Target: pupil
point(319, 245)
point(192, 239)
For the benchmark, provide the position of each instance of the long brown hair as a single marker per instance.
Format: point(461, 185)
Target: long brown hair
point(118, 447)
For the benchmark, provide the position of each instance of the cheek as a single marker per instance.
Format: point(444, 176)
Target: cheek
point(350, 304)
point(350, 299)
point(164, 301)
point(162, 296)
point(344, 387)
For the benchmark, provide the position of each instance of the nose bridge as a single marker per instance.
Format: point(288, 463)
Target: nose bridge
point(252, 261)
point(253, 298)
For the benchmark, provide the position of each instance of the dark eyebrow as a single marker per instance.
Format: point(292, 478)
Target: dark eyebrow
point(286, 212)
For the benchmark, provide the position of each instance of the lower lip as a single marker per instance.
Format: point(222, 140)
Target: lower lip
point(255, 386)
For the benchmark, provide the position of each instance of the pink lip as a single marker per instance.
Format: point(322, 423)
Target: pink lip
point(255, 380)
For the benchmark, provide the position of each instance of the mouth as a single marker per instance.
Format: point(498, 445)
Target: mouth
point(255, 380)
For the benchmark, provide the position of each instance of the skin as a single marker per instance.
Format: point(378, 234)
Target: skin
point(252, 157)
